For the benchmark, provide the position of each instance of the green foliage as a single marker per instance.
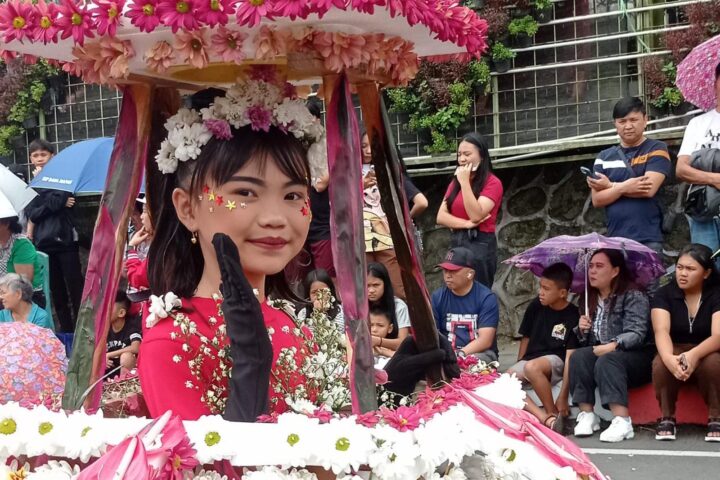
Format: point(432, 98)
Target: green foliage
point(523, 26)
point(670, 97)
point(7, 133)
point(543, 4)
point(440, 99)
point(501, 52)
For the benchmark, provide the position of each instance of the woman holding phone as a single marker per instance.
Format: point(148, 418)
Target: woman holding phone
point(471, 205)
point(686, 321)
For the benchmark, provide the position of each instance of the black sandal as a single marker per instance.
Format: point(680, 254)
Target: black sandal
point(666, 429)
point(548, 418)
point(713, 428)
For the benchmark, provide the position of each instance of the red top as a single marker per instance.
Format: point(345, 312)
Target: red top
point(137, 275)
point(493, 190)
point(167, 381)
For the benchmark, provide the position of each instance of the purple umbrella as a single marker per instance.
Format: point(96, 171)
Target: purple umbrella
point(643, 262)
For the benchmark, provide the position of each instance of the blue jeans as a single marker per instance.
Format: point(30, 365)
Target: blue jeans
point(706, 233)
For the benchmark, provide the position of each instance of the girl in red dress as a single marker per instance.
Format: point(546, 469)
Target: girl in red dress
point(248, 179)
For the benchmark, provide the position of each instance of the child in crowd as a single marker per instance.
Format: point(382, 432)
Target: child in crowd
point(136, 258)
point(547, 335)
point(381, 327)
point(382, 295)
point(124, 337)
point(315, 282)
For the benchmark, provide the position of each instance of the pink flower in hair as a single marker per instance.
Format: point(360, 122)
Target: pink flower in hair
point(292, 9)
point(143, 14)
point(178, 14)
point(220, 129)
point(228, 44)
point(402, 419)
point(193, 47)
point(250, 12)
point(75, 21)
point(46, 29)
point(159, 57)
point(17, 19)
point(214, 12)
point(260, 118)
point(108, 15)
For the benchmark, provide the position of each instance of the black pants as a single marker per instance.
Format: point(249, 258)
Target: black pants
point(484, 247)
point(612, 373)
point(66, 286)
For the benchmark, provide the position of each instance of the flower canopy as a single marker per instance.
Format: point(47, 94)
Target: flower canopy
point(202, 42)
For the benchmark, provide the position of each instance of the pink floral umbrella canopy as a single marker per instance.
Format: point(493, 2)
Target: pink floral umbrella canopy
point(32, 364)
point(696, 74)
point(108, 41)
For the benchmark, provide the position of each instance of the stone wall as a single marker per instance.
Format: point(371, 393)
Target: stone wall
point(539, 203)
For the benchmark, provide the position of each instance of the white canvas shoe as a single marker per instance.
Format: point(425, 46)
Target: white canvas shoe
point(620, 429)
point(587, 424)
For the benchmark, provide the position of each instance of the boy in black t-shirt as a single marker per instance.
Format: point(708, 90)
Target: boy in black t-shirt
point(547, 335)
point(124, 337)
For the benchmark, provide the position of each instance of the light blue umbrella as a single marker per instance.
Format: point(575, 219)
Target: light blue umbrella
point(80, 169)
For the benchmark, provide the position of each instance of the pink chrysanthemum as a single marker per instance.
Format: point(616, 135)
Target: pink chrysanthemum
point(322, 414)
point(402, 419)
point(193, 47)
point(178, 14)
point(7, 56)
point(46, 29)
point(108, 14)
point(143, 14)
point(214, 12)
point(369, 419)
point(366, 6)
point(321, 7)
point(74, 21)
point(228, 45)
point(339, 51)
point(438, 401)
point(250, 12)
point(271, 418)
point(219, 128)
point(292, 9)
point(260, 118)
point(159, 57)
point(180, 460)
point(17, 19)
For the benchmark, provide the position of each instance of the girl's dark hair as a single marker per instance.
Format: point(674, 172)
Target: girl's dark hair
point(13, 224)
point(321, 275)
point(479, 178)
point(387, 301)
point(623, 282)
point(174, 263)
point(703, 255)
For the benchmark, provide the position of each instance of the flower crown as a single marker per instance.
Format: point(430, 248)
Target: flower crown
point(256, 102)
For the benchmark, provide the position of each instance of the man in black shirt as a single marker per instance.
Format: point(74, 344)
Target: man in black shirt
point(547, 330)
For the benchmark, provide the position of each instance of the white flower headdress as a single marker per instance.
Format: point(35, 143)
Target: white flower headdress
point(258, 103)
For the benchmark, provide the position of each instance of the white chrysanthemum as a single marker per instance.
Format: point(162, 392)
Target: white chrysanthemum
point(165, 158)
point(184, 116)
point(295, 438)
point(506, 390)
point(54, 470)
point(45, 432)
point(397, 456)
point(14, 421)
point(208, 475)
point(212, 438)
point(345, 445)
point(84, 436)
point(274, 473)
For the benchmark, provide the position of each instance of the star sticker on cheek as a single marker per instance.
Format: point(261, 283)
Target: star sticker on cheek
point(230, 205)
point(305, 210)
point(219, 200)
point(211, 196)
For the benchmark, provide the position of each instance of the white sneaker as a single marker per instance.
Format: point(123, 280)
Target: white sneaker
point(620, 429)
point(587, 424)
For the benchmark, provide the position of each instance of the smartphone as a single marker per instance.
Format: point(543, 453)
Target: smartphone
point(588, 173)
point(683, 362)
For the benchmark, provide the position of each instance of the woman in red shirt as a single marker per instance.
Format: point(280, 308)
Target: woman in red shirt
point(471, 205)
point(249, 182)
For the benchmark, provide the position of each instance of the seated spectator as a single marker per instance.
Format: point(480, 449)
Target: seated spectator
point(318, 281)
point(466, 311)
point(547, 330)
point(615, 355)
point(381, 295)
point(381, 327)
point(686, 321)
point(18, 255)
point(124, 337)
point(16, 294)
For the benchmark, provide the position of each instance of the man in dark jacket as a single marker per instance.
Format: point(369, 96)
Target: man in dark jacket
point(53, 233)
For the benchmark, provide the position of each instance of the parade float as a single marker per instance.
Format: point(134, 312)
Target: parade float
point(156, 51)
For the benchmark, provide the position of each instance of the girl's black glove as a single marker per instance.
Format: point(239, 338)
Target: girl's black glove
point(250, 347)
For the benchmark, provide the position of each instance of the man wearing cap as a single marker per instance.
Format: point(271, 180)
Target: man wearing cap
point(466, 311)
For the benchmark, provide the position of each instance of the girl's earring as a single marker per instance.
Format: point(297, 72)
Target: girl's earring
point(194, 238)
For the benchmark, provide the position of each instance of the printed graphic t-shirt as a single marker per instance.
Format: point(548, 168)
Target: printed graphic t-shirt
point(550, 332)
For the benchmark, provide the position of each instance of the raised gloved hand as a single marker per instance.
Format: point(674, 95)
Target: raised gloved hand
point(408, 366)
point(250, 347)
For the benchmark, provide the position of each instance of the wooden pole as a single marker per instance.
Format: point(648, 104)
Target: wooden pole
point(87, 363)
point(394, 204)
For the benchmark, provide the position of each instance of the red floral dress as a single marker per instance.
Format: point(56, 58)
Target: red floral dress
point(184, 361)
